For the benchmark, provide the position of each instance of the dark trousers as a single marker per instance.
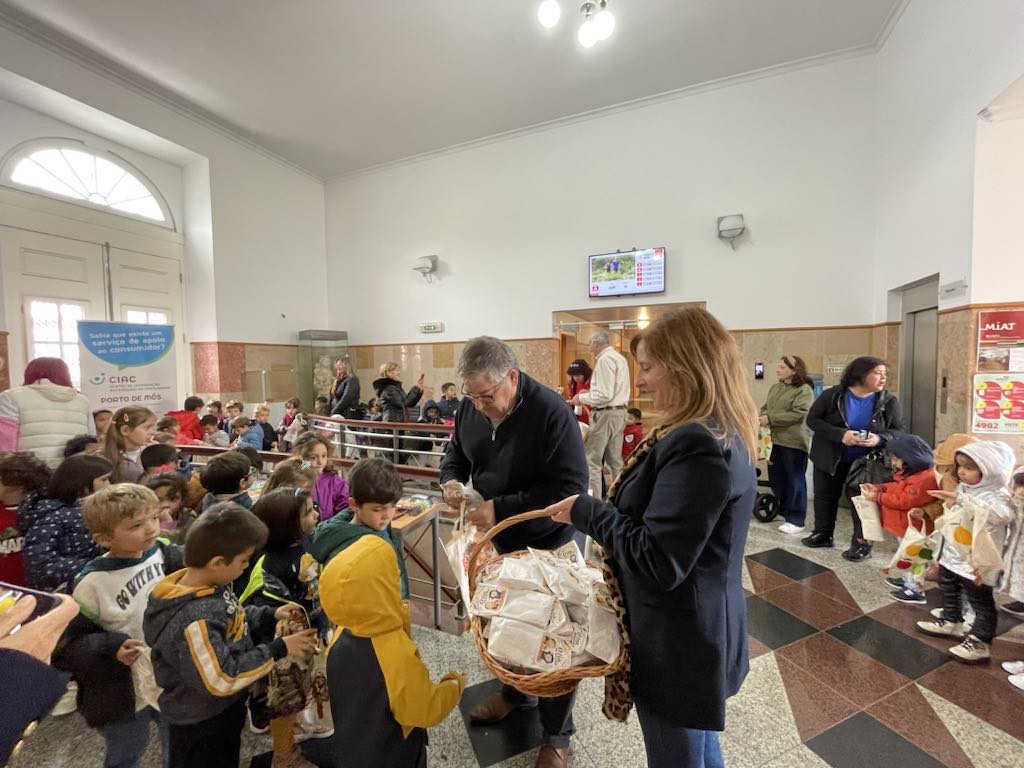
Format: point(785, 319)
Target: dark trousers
point(673, 746)
point(828, 489)
point(787, 469)
point(979, 596)
point(555, 714)
point(213, 743)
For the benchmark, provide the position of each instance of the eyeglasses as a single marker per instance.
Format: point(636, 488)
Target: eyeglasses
point(486, 397)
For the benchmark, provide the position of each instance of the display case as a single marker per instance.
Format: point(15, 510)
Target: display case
point(318, 350)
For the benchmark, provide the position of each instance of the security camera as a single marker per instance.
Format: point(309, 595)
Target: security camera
point(730, 227)
point(426, 266)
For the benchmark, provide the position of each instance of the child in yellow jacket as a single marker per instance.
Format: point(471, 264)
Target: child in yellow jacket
point(382, 698)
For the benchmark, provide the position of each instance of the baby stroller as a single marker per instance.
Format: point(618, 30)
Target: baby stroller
point(766, 506)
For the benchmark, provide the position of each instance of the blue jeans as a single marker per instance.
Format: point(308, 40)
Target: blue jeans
point(672, 746)
point(127, 740)
point(787, 475)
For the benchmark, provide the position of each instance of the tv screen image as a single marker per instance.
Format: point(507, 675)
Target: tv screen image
point(628, 272)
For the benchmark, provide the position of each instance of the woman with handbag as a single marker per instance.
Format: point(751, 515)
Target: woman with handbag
point(784, 413)
point(674, 531)
point(849, 421)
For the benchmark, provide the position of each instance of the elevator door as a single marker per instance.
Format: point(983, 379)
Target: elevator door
point(923, 330)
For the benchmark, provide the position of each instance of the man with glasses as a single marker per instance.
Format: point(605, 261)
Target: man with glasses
point(608, 398)
point(521, 447)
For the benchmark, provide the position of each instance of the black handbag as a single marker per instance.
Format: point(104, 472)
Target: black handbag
point(871, 469)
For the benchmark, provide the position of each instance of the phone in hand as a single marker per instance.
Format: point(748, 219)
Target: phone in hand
point(863, 434)
point(11, 593)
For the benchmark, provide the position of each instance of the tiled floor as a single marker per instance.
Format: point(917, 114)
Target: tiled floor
point(839, 677)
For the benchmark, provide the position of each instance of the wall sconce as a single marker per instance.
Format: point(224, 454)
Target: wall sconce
point(730, 227)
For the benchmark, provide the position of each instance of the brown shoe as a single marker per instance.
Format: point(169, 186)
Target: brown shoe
point(553, 757)
point(493, 709)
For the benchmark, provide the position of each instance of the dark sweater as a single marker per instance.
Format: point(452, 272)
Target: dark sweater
point(534, 458)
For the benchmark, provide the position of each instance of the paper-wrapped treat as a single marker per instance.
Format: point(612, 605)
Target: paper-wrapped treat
point(562, 578)
point(558, 619)
point(603, 639)
point(527, 646)
point(570, 553)
point(520, 573)
point(520, 604)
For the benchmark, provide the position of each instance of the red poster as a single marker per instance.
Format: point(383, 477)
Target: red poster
point(1001, 325)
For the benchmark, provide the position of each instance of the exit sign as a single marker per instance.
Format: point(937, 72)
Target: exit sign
point(432, 327)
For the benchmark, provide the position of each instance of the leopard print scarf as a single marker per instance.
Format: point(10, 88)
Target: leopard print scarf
point(618, 700)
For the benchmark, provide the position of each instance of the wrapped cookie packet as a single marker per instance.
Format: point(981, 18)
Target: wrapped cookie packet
point(546, 610)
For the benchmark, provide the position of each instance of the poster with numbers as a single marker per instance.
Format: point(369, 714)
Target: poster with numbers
point(999, 403)
point(128, 364)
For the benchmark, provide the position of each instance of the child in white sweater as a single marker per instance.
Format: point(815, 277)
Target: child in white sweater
point(983, 469)
point(104, 649)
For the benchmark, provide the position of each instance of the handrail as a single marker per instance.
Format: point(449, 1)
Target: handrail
point(381, 437)
point(409, 425)
point(419, 473)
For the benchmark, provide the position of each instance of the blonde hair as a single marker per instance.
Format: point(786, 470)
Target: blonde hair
point(295, 472)
point(103, 510)
point(388, 367)
point(262, 407)
point(704, 365)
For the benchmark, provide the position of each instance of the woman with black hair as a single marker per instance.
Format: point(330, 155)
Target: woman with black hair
point(784, 413)
point(848, 421)
point(579, 373)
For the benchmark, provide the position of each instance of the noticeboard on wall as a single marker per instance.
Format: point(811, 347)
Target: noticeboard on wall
point(998, 403)
point(1001, 341)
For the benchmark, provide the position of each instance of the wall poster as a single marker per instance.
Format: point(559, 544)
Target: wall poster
point(128, 364)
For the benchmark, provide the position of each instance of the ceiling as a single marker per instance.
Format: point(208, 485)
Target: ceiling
point(336, 86)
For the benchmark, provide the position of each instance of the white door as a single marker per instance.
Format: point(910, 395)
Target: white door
point(148, 289)
point(49, 283)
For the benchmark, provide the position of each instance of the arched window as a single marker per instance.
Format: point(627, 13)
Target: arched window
point(69, 170)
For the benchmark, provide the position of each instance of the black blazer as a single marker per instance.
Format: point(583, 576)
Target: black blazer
point(676, 529)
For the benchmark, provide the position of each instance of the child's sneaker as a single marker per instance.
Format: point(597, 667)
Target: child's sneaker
point(942, 628)
point(910, 596)
point(1014, 667)
point(936, 612)
point(1017, 681)
point(971, 650)
point(1016, 608)
point(897, 583)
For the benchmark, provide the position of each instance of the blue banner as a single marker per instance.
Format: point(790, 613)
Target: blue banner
point(126, 345)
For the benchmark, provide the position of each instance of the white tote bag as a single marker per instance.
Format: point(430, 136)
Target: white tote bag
point(870, 518)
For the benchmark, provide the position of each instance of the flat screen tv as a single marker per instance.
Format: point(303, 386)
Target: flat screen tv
point(627, 272)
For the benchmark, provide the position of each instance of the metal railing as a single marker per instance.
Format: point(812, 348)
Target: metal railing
point(397, 441)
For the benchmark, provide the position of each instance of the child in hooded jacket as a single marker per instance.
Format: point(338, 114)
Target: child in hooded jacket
point(983, 470)
point(57, 542)
point(382, 697)
point(910, 489)
point(286, 575)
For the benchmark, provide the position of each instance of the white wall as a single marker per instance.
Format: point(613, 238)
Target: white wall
point(997, 269)
point(513, 221)
point(944, 61)
point(19, 124)
point(267, 218)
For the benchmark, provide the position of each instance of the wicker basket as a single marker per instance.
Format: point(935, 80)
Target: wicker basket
point(544, 684)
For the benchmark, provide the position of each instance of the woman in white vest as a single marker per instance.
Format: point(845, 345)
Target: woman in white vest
point(45, 413)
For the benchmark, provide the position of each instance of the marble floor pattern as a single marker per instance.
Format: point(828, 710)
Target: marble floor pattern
point(838, 677)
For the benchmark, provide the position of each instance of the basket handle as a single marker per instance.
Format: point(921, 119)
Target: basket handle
point(492, 532)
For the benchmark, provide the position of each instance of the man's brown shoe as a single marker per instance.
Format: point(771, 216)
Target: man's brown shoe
point(552, 757)
point(493, 709)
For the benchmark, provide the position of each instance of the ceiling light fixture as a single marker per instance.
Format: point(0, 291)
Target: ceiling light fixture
point(548, 13)
point(604, 21)
point(598, 23)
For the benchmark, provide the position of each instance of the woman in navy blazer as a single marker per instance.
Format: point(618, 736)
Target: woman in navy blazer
point(675, 527)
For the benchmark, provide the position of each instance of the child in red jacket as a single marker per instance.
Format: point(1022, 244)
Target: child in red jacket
point(634, 431)
point(912, 461)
